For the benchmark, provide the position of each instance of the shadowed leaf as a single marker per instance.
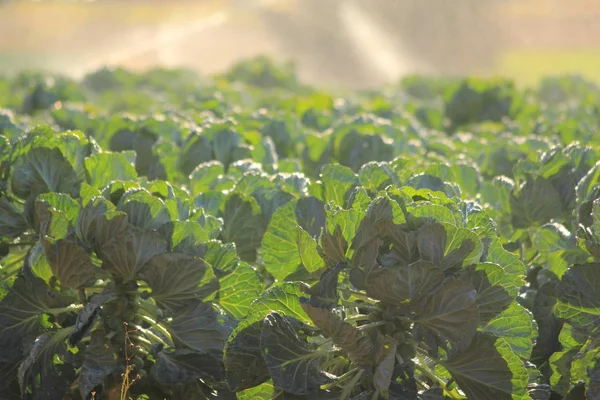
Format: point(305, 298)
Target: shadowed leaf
point(291, 360)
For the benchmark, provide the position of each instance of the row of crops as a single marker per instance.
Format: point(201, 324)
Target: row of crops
point(165, 236)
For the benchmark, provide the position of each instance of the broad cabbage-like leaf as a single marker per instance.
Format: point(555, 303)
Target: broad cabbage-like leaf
point(199, 327)
point(103, 168)
point(579, 297)
point(449, 315)
point(178, 366)
point(43, 170)
point(70, 263)
point(292, 361)
point(488, 369)
point(125, 254)
point(239, 289)
point(144, 210)
point(243, 225)
point(101, 359)
point(412, 283)
point(243, 359)
point(176, 279)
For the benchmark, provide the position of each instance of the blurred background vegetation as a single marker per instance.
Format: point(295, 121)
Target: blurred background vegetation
point(351, 43)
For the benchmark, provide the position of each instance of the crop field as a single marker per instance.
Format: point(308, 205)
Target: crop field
point(165, 235)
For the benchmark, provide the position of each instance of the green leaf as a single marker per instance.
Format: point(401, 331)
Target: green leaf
point(593, 389)
point(405, 283)
point(468, 177)
point(144, 210)
point(587, 183)
point(426, 181)
point(579, 298)
point(560, 363)
point(38, 263)
point(239, 289)
point(437, 212)
point(293, 364)
point(222, 257)
point(511, 263)
point(265, 390)
point(488, 370)
point(497, 192)
point(535, 202)
point(103, 168)
point(516, 326)
point(43, 170)
point(211, 225)
point(382, 378)
point(61, 202)
point(450, 314)
point(70, 263)
point(39, 360)
point(176, 279)
point(549, 326)
point(196, 151)
point(309, 254)
point(404, 250)
point(12, 221)
point(285, 248)
point(492, 298)
point(375, 176)
point(349, 223)
point(558, 248)
point(361, 348)
point(359, 199)
point(325, 292)
point(178, 366)
point(338, 181)
point(98, 222)
point(100, 360)
point(270, 199)
point(280, 247)
point(225, 141)
point(198, 327)
point(242, 356)
point(479, 221)
point(243, 225)
point(117, 189)
point(333, 247)
point(207, 176)
point(185, 236)
point(264, 152)
point(463, 247)
point(21, 311)
point(284, 299)
point(431, 242)
point(50, 221)
point(125, 254)
point(584, 360)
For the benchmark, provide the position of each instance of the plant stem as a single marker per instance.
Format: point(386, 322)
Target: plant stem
point(372, 325)
point(56, 311)
point(20, 244)
point(375, 395)
point(340, 379)
point(356, 317)
point(151, 334)
point(352, 306)
point(348, 388)
point(360, 295)
point(156, 325)
point(424, 369)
